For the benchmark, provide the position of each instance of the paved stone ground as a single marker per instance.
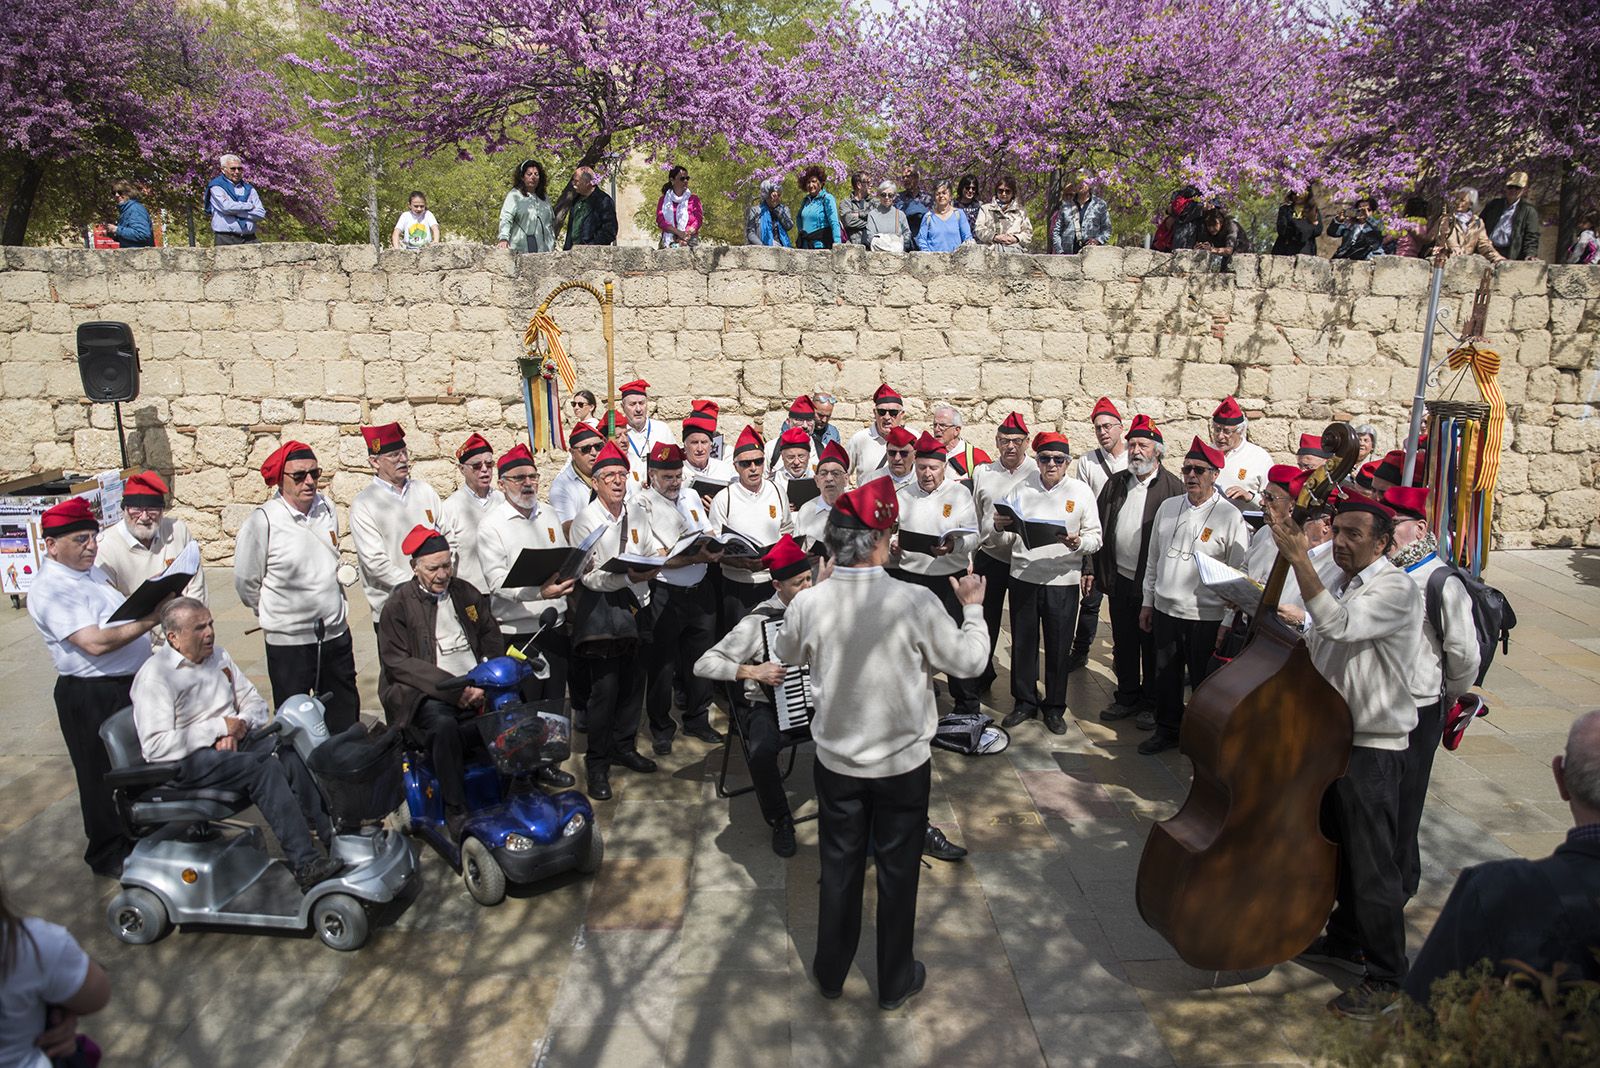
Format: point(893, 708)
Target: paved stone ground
point(690, 947)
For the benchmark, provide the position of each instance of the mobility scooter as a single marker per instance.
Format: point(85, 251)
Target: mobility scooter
point(514, 832)
point(192, 864)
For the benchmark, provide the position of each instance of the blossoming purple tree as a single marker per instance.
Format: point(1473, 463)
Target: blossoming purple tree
point(1451, 90)
point(586, 81)
point(1221, 93)
point(91, 90)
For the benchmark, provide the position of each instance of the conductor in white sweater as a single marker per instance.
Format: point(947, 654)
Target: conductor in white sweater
point(286, 571)
point(873, 644)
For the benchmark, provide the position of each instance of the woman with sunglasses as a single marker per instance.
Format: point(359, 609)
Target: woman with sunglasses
point(1004, 222)
point(1184, 616)
point(583, 407)
point(678, 214)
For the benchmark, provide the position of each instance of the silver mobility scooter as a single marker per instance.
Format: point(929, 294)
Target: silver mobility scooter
point(192, 864)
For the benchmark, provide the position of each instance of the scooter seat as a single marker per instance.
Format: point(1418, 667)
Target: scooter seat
point(188, 810)
point(148, 804)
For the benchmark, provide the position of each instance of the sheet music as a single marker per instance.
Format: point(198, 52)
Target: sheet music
point(186, 563)
point(792, 698)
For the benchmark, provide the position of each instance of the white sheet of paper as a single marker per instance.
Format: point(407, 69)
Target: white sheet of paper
point(187, 562)
point(1231, 584)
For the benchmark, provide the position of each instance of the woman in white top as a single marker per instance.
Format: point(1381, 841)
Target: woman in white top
point(46, 982)
point(417, 227)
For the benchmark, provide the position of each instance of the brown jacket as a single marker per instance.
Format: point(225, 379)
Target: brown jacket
point(407, 652)
point(1458, 240)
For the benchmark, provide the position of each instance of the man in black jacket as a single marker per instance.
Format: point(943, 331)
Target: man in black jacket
point(1511, 222)
point(421, 648)
point(1361, 233)
point(1127, 504)
point(1538, 912)
point(592, 218)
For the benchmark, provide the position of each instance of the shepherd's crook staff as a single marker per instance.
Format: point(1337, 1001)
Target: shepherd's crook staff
point(547, 360)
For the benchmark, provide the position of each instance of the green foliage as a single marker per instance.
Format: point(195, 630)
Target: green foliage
point(1476, 1020)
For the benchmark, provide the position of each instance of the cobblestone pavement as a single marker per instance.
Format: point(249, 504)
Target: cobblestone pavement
point(691, 945)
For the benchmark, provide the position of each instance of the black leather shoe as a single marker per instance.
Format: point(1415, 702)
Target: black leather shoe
point(1055, 722)
point(783, 837)
point(321, 870)
point(937, 846)
point(555, 778)
point(636, 761)
point(1115, 713)
point(919, 979)
point(1159, 742)
point(1018, 715)
point(599, 785)
point(706, 733)
point(662, 748)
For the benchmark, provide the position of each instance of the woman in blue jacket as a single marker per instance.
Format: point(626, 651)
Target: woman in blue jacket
point(132, 229)
point(817, 221)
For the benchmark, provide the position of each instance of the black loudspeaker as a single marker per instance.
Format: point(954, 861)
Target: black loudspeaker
point(108, 361)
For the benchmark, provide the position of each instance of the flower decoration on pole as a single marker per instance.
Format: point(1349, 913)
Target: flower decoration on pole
point(546, 363)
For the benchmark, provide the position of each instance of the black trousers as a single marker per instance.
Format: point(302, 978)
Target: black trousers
point(892, 814)
point(1369, 912)
point(998, 575)
point(683, 624)
point(1133, 652)
point(556, 648)
point(578, 683)
point(738, 598)
point(763, 742)
point(1422, 747)
point(219, 238)
point(278, 785)
point(1052, 609)
point(448, 733)
point(1181, 646)
point(292, 669)
point(964, 692)
point(1088, 620)
point(616, 685)
point(83, 704)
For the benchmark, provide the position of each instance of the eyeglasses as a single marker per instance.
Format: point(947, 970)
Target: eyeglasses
point(899, 454)
point(1175, 553)
point(143, 509)
point(520, 480)
point(1051, 461)
point(1002, 192)
point(589, 450)
point(943, 426)
point(481, 465)
point(888, 411)
point(298, 477)
point(747, 463)
point(1194, 469)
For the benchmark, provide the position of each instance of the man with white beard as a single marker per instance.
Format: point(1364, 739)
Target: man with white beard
point(146, 540)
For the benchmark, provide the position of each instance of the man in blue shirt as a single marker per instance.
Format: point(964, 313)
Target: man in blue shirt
point(233, 204)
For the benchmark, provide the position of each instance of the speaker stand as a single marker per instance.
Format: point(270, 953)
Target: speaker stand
point(122, 437)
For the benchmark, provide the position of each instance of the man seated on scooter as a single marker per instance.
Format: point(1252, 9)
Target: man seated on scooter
point(192, 705)
point(421, 648)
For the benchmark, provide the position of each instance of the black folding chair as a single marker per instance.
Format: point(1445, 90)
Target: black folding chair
point(792, 741)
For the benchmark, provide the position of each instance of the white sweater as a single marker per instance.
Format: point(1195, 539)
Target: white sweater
point(569, 493)
point(992, 482)
point(867, 451)
point(948, 507)
point(1179, 531)
point(128, 563)
point(1456, 649)
point(665, 522)
point(1366, 644)
point(459, 519)
point(741, 645)
point(810, 521)
point(873, 643)
point(502, 537)
point(595, 516)
point(1089, 471)
point(179, 706)
point(286, 571)
point(1245, 466)
point(762, 516)
point(1055, 564)
point(380, 518)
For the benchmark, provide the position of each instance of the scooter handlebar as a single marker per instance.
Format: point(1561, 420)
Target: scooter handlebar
point(268, 731)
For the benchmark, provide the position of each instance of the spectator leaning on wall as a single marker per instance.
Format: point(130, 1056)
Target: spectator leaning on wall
point(233, 204)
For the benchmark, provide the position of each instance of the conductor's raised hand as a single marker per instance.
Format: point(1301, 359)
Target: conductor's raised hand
point(969, 588)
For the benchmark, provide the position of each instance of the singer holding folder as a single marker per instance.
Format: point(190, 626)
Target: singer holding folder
point(71, 603)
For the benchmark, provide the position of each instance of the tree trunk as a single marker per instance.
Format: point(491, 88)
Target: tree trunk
point(17, 216)
point(593, 154)
point(1567, 221)
point(372, 196)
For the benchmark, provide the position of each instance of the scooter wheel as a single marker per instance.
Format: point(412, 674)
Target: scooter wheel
point(485, 879)
point(341, 922)
point(137, 916)
point(594, 854)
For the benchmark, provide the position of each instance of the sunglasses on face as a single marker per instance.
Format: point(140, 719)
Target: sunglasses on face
point(747, 463)
point(520, 480)
point(1051, 461)
point(298, 477)
point(888, 411)
point(899, 454)
point(481, 465)
point(1194, 469)
point(589, 450)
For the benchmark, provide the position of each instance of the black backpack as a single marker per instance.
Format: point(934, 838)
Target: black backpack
point(1492, 614)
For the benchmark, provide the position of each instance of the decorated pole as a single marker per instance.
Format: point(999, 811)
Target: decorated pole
point(546, 367)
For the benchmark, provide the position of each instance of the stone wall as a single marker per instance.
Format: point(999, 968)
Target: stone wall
point(242, 347)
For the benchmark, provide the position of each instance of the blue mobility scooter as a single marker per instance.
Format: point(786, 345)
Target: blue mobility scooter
point(192, 864)
point(514, 832)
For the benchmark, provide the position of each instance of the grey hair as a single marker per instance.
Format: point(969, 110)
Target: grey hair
point(1465, 191)
point(955, 416)
point(850, 547)
point(1369, 430)
point(178, 610)
point(588, 172)
point(1161, 450)
point(769, 184)
point(229, 158)
point(824, 398)
point(886, 186)
point(1581, 767)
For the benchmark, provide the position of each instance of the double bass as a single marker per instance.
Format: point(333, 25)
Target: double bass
point(1242, 877)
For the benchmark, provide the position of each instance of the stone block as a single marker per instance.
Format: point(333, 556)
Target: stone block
point(1254, 344)
point(1149, 377)
point(828, 344)
point(23, 286)
point(1054, 378)
point(1104, 263)
point(1208, 380)
point(219, 446)
point(196, 410)
point(734, 289)
point(903, 291)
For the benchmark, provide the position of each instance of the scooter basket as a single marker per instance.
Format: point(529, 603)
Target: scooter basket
point(360, 774)
point(524, 737)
